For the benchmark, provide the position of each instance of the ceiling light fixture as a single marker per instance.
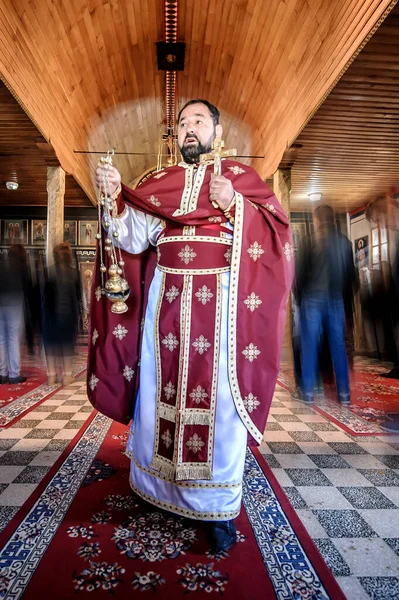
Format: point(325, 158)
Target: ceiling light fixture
point(314, 197)
point(11, 185)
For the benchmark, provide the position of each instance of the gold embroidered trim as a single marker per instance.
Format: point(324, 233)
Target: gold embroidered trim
point(185, 320)
point(188, 230)
point(167, 412)
point(184, 484)
point(194, 271)
point(196, 471)
point(232, 325)
point(196, 238)
point(215, 374)
point(185, 512)
point(198, 181)
point(188, 183)
point(163, 465)
point(193, 416)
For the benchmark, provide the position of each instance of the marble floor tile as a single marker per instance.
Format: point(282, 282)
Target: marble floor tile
point(333, 436)
point(352, 588)
point(66, 408)
point(76, 401)
point(16, 494)
point(270, 426)
point(392, 493)
point(329, 461)
point(57, 445)
point(17, 458)
point(31, 474)
point(368, 556)
point(314, 418)
point(86, 409)
point(54, 401)
point(294, 461)
point(66, 434)
point(9, 473)
point(390, 461)
point(11, 433)
point(284, 447)
point(277, 436)
point(305, 435)
point(42, 433)
point(311, 523)
point(52, 424)
point(344, 523)
point(317, 497)
point(6, 444)
point(306, 477)
point(30, 445)
point(381, 477)
point(322, 426)
point(46, 458)
point(26, 424)
point(32, 416)
point(333, 558)
point(60, 416)
point(81, 416)
point(282, 477)
point(363, 461)
point(393, 543)
point(294, 426)
point(6, 514)
point(294, 497)
point(366, 498)
point(316, 448)
point(385, 522)
point(381, 588)
point(286, 418)
point(279, 411)
point(347, 448)
point(378, 448)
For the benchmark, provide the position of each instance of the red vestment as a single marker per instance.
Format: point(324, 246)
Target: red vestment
point(260, 280)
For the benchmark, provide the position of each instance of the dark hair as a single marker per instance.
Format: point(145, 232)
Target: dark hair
point(62, 254)
point(215, 114)
point(325, 214)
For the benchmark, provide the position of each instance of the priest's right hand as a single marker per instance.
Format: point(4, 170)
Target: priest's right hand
point(111, 176)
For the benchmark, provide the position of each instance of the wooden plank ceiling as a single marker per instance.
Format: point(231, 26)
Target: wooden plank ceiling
point(86, 73)
point(349, 150)
point(24, 157)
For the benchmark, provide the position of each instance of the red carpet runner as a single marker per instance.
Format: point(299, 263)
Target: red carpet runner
point(89, 536)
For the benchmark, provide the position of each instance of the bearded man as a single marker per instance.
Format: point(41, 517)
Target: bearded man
point(195, 359)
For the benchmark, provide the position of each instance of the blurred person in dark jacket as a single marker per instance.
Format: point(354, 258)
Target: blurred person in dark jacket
point(13, 292)
point(61, 313)
point(325, 280)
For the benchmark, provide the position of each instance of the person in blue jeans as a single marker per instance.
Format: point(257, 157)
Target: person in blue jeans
point(325, 281)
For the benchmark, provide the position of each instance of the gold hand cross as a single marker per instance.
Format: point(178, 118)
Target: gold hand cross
point(216, 155)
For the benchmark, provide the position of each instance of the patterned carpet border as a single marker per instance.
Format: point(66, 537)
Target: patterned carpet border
point(11, 413)
point(293, 563)
point(22, 552)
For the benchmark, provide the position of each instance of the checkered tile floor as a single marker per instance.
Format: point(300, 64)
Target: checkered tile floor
point(345, 489)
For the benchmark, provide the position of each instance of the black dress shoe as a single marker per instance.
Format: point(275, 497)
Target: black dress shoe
point(222, 535)
point(18, 379)
point(393, 374)
point(4, 380)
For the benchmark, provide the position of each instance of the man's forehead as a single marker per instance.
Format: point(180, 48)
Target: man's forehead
point(195, 110)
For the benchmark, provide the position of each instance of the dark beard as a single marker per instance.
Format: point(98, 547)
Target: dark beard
point(191, 154)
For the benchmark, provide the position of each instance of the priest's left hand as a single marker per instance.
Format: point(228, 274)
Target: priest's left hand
point(221, 191)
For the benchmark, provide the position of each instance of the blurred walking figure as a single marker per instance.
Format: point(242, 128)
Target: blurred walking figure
point(13, 291)
point(61, 313)
point(325, 278)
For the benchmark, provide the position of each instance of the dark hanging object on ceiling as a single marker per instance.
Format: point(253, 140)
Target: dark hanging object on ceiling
point(170, 56)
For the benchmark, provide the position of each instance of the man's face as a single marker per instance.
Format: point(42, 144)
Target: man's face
point(196, 132)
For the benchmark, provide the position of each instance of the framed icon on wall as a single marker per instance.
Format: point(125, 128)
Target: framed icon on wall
point(71, 232)
point(14, 231)
point(87, 233)
point(39, 231)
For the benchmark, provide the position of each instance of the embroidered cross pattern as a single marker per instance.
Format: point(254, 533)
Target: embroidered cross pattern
point(169, 390)
point(195, 443)
point(252, 302)
point(160, 174)
point(154, 200)
point(255, 251)
point(288, 251)
point(98, 294)
point(120, 331)
point(187, 254)
point(172, 294)
point(204, 295)
point(128, 373)
point(251, 402)
point(201, 344)
point(167, 438)
point(251, 352)
point(236, 170)
point(270, 208)
point(228, 254)
point(170, 341)
point(93, 381)
point(198, 394)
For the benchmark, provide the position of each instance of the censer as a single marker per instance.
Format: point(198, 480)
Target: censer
point(116, 288)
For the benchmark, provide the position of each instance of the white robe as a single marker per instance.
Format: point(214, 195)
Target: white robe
point(220, 498)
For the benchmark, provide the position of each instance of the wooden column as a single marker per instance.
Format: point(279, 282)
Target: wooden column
point(282, 189)
point(55, 209)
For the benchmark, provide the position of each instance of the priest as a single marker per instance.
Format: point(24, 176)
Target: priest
point(194, 361)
